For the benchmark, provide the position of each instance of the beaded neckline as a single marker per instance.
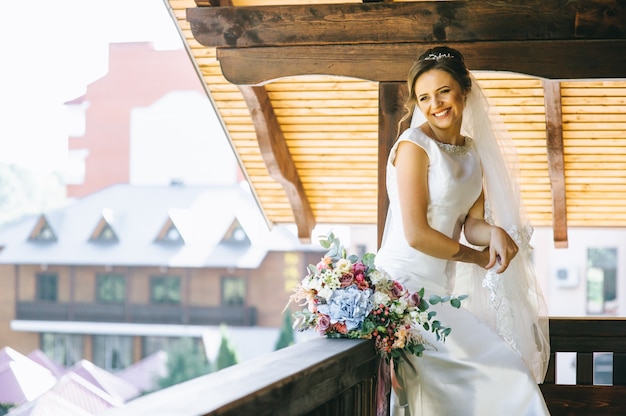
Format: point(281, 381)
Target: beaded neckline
point(455, 149)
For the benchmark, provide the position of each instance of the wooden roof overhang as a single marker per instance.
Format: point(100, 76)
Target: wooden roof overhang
point(326, 153)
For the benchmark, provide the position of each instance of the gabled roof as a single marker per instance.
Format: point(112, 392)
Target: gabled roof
point(145, 373)
point(21, 378)
point(202, 216)
point(309, 95)
point(118, 390)
point(41, 358)
point(42, 232)
point(49, 404)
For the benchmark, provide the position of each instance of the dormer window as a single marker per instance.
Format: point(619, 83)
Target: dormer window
point(104, 233)
point(42, 232)
point(236, 235)
point(169, 234)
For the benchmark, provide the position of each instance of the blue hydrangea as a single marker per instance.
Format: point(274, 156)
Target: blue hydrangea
point(349, 305)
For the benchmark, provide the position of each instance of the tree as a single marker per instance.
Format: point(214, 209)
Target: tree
point(226, 355)
point(285, 337)
point(185, 360)
point(5, 407)
point(23, 192)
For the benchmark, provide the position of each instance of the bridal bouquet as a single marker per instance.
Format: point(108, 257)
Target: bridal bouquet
point(347, 297)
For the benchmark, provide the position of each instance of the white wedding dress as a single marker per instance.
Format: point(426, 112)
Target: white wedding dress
point(475, 372)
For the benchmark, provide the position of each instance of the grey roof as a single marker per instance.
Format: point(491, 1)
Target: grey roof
point(137, 214)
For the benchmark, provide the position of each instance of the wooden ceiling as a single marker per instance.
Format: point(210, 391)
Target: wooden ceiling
point(310, 92)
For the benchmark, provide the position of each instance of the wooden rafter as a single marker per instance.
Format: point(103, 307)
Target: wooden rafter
point(556, 160)
point(277, 157)
point(556, 59)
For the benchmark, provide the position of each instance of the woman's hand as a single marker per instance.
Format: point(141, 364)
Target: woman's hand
point(502, 249)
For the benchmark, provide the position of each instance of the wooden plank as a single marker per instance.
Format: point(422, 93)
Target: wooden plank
point(278, 158)
point(555, 59)
point(565, 400)
point(406, 22)
point(556, 163)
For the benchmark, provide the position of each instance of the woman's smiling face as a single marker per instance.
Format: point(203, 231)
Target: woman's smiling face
point(441, 99)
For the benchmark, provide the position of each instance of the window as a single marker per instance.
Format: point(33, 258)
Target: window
point(107, 235)
point(47, 286)
point(233, 291)
point(112, 352)
point(65, 349)
point(111, 288)
point(235, 235)
point(169, 234)
point(153, 344)
point(165, 289)
point(602, 281)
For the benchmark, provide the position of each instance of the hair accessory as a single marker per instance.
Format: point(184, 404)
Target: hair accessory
point(438, 56)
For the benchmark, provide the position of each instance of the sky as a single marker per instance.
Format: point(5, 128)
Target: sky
point(51, 50)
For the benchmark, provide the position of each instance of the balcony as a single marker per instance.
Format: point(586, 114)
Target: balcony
point(136, 313)
point(337, 377)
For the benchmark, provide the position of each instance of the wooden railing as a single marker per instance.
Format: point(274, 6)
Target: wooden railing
point(337, 377)
point(321, 377)
point(586, 336)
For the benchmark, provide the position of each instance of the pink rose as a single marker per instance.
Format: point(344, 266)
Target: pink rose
point(346, 280)
point(324, 263)
point(361, 283)
point(396, 290)
point(358, 268)
point(323, 323)
point(414, 299)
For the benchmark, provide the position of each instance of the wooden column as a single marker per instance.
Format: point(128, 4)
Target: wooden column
point(391, 98)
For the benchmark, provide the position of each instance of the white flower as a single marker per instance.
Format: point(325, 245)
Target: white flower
point(399, 306)
point(330, 278)
point(379, 298)
point(308, 282)
point(376, 276)
point(343, 266)
point(325, 292)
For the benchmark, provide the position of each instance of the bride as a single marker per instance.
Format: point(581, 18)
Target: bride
point(456, 226)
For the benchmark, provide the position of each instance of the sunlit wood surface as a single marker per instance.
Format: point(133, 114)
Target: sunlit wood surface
point(330, 125)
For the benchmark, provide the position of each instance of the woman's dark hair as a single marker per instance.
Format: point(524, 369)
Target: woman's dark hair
point(440, 57)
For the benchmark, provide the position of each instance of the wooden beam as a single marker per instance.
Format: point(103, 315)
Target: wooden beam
point(554, 59)
point(278, 159)
point(425, 21)
point(556, 160)
point(391, 98)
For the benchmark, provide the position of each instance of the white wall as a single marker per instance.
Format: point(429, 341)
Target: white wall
point(570, 299)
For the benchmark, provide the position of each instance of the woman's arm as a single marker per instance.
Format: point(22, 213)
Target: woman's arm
point(412, 171)
point(502, 248)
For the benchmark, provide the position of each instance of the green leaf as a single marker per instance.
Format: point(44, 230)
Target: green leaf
point(455, 303)
point(353, 258)
point(434, 299)
point(312, 269)
point(369, 259)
